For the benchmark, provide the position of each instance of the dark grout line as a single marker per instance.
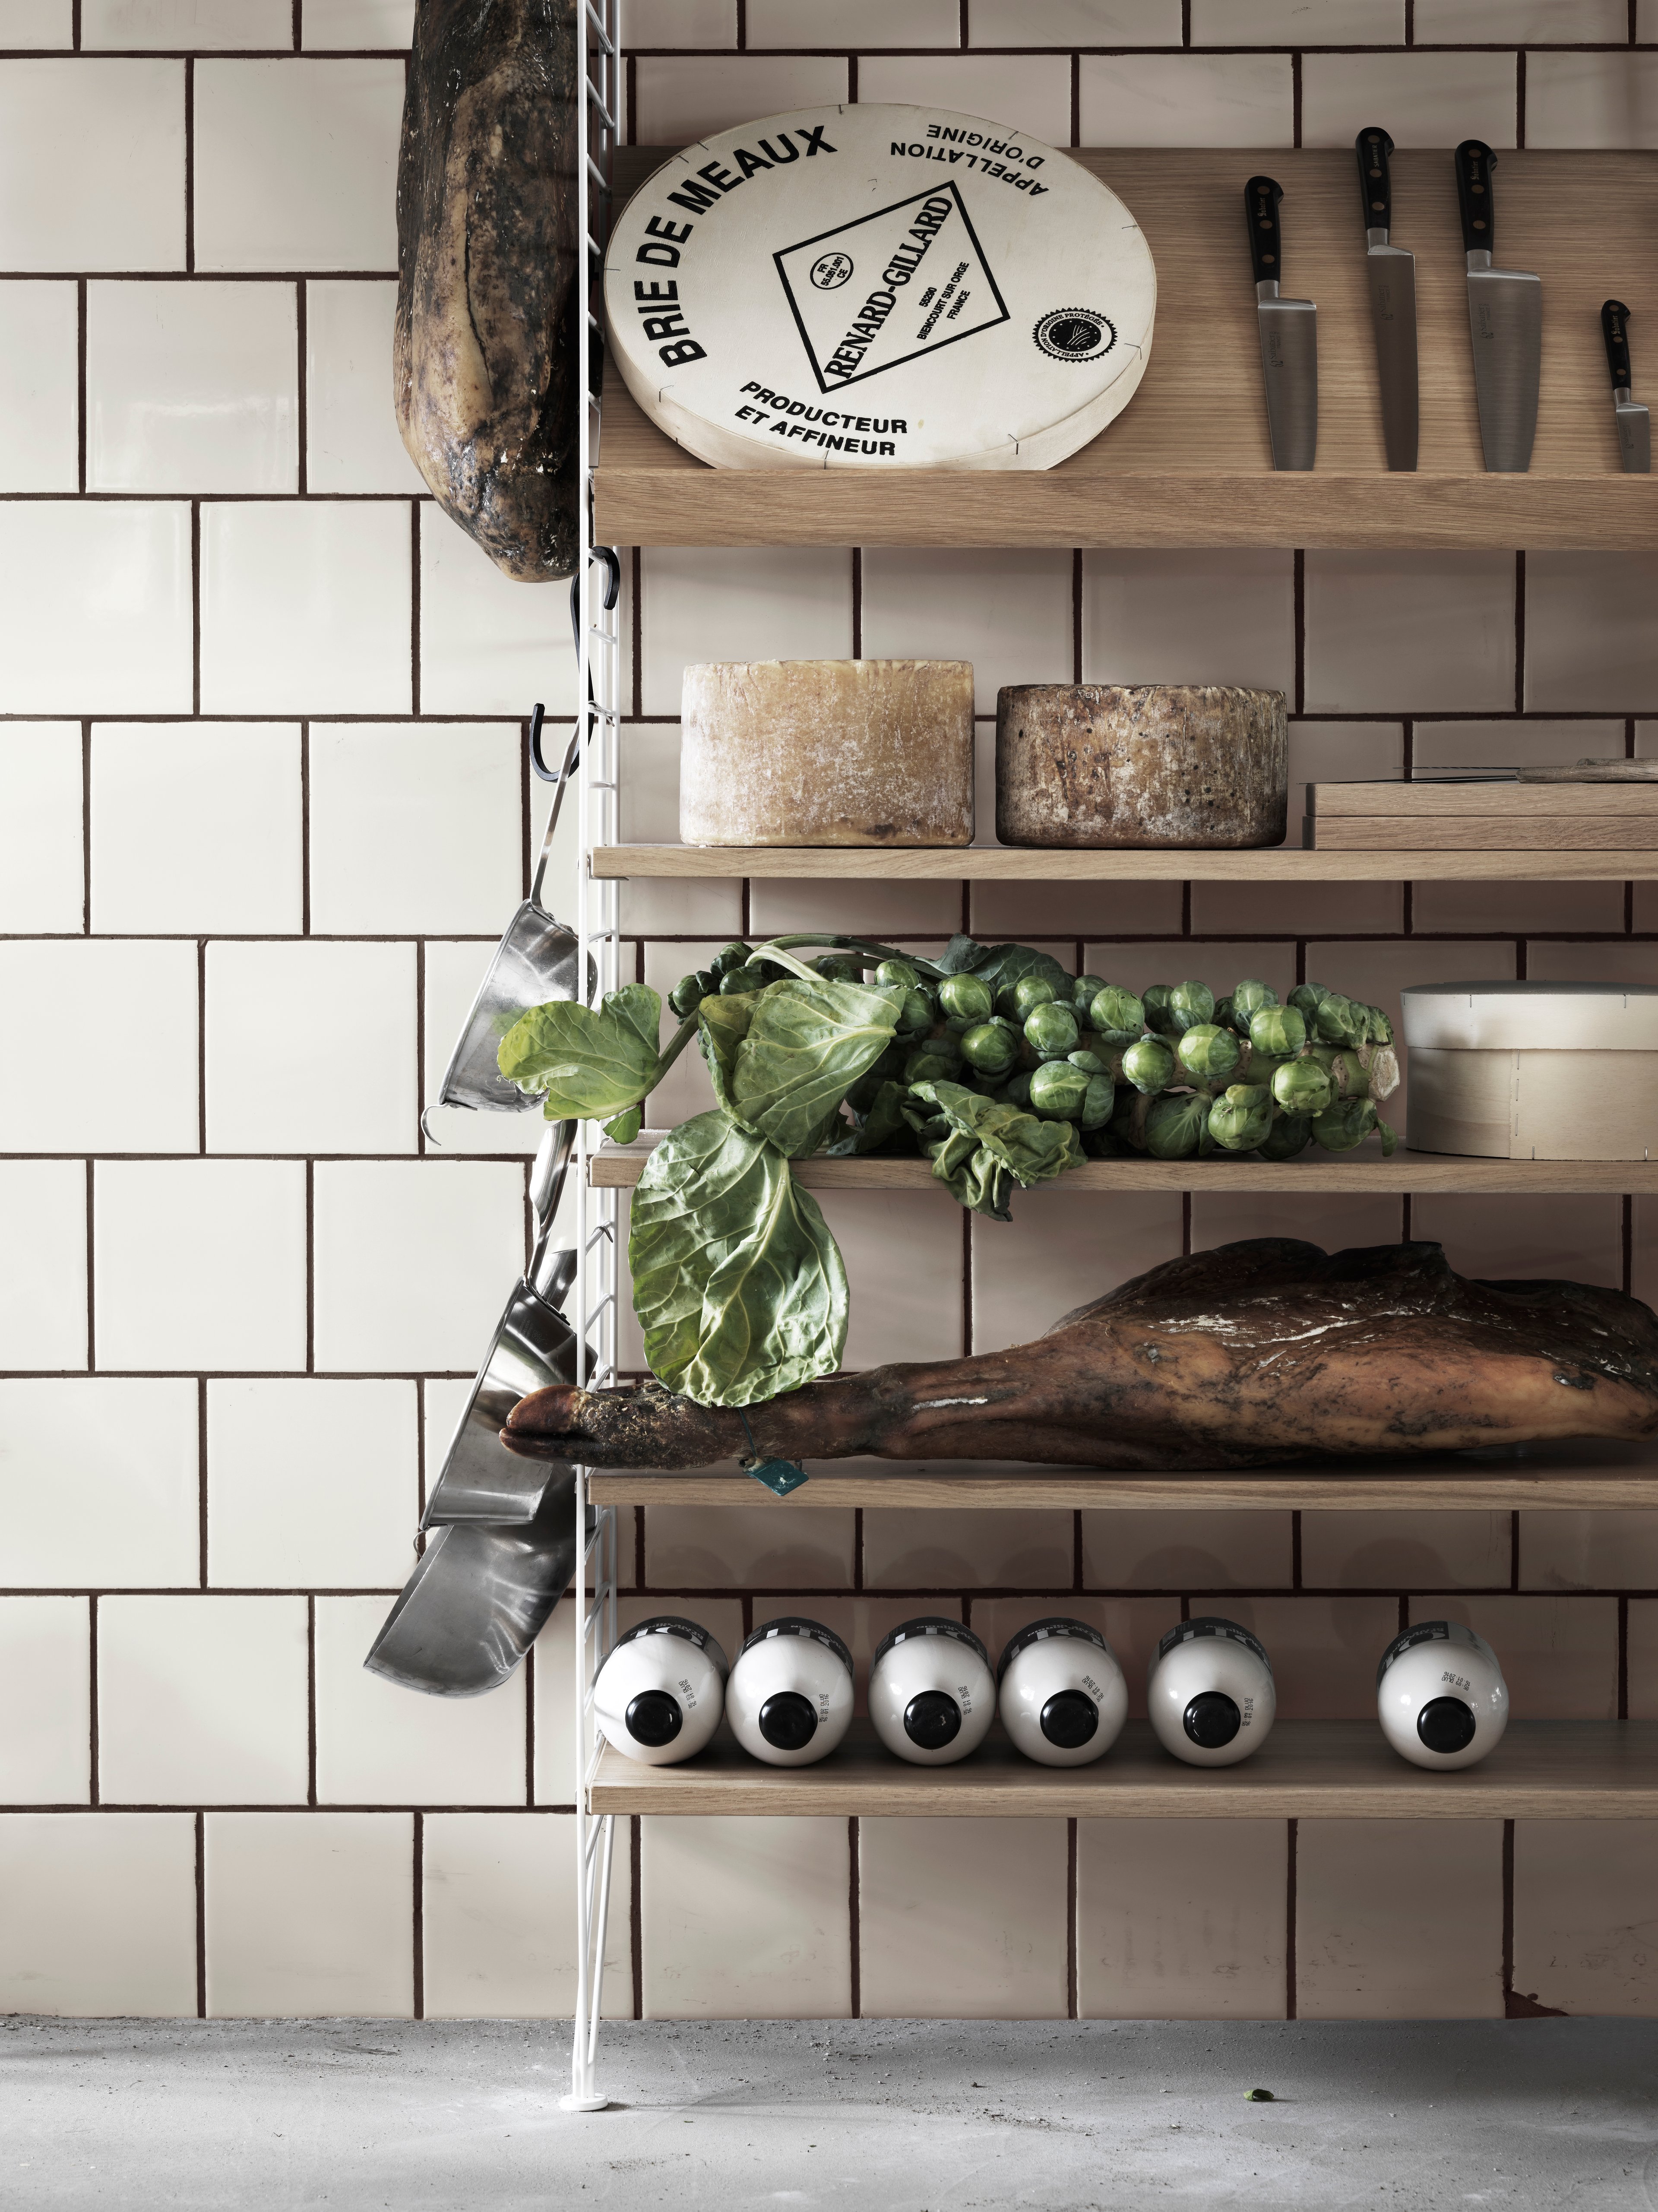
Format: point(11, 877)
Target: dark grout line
point(201, 1915)
point(1076, 99)
point(1070, 1919)
point(310, 1701)
point(1299, 571)
point(635, 1913)
point(310, 1266)
point(305, 828)
point(417, 1888)
point(196, 607)
point(298, 25)
point(92, 1281)
point(1513, 1550)
point(1519, 633)
point(200, 1046)
point(854, 1919)
point(75, 24)
point(1290, 1856)
point(86, 826)
point(414, 604)
point(80, 383)
point(201, 1480)
point(190, 164)
point(1623, 1658)
point(302, 423)
point(93, 1789)
point(529, 1724)
point(1295, 97)
point(1520, 100)
point(1507, 1918)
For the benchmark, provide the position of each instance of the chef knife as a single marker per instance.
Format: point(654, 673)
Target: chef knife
point(1392, 274)
point(1505, 320)
point(1634, 427)
point(1289, 335)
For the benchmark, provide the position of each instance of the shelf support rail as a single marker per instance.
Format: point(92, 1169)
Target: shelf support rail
point(597, 795)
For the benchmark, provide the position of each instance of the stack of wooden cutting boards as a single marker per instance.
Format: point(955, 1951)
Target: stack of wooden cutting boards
point(1594, 808)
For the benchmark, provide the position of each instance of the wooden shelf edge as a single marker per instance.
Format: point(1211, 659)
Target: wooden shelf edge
point(1275, 864)
point(1307, 1769)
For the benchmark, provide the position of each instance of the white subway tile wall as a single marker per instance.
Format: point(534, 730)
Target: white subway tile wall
point(262, 814)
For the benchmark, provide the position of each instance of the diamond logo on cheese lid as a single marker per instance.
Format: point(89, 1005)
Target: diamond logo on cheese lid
point(880, 287)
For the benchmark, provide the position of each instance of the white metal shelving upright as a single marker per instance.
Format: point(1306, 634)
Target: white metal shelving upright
point(596, 1290)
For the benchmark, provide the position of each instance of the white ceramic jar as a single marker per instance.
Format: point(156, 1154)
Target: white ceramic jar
point(932, 1694)
point(660, 1694)
point(1062, 1694)
point(789, 1695)
point(1210, 1693)
point(1440, 1696)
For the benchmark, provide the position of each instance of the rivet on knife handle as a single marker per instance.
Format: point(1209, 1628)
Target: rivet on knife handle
point(1375, 183)
point(1474, 163)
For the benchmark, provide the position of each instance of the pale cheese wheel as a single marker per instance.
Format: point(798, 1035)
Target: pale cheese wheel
point(826, 753)
point(1491, 1017)
point(878, 287)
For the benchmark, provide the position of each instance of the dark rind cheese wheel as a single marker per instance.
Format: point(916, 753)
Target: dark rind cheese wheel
point(880, 287)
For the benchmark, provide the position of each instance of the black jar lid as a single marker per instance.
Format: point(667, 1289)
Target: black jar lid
point(1043, 1631)
point(793, 1624)
point(928, 1624)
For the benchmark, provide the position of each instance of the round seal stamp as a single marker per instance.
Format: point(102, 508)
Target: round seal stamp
point(833, 269)
point(1075, 334)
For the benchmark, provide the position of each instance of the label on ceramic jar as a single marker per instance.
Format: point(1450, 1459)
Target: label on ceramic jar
point(930, 1625)
point(878, 287)
point(793, 1625)
point(1043, 1631)
point(666, 1624)
point(1189, 1631)
point(1428, 1632)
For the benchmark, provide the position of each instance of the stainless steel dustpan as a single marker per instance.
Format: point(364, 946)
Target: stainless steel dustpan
point(477, 1602)
point(480, 1481)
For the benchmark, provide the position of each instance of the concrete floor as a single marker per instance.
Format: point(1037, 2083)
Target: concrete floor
point(913, 2115)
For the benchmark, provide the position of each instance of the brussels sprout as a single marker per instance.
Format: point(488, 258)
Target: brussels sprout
point(965, 995)
point(1128, 1124)
point(688, 994)
point(1116, 1014)
point(1083, 993)
point(1058, 1091)
point(1149, 1066)
point(1051, 1031)
point(1174, 1125)
point(841, 967)
point(1016, 1090)
point(1192, 1005)
point(1290, 1134)
point(1306, 998)
point(916, 1018)
point(893, 973)
point(992, 1050)
point(1339, 1021)
point(1155, 999)
point(1389, 1137)
point(734, 955)
point(1249, 997)
point(1024, 997)
point(1301, 1086)
point(1276, 1030)
point(1381, 1029)
point(1241, 1117)
point(1228, 1018)
point(938, 1061)
point(737, 980)
point(1209, 1052)
point(1090, 1062)
point(1099, 1103)
point(1346, 1070)
point(1380, 1066)
point(1344, 1124)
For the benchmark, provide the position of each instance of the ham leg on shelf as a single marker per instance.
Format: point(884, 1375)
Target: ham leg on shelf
point(1255, 1353)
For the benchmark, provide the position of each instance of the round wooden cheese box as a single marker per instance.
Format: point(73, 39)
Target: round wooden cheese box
point(880, 287)
point(1532, 1071)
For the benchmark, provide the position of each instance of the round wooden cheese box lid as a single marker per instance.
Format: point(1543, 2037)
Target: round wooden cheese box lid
point(1531, 1017)
point(879, 286)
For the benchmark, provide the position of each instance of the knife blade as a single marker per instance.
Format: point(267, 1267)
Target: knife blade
point(1392, 274)
point(1505, 322)
point(1633, 425)
point(1289, 335)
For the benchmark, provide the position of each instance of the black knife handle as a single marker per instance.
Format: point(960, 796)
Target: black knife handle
point(1474, 163)
point(1261, 198)
point(1614, 328)
point(1375, 184)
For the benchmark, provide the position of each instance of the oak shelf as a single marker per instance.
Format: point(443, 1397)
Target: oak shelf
point(1585, 1475)
point(1273, 864)
point(1188, 463)
point(1306, 1770)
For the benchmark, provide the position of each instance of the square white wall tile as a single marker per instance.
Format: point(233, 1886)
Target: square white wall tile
point(677, 23)
point(746, 1547)
point(1399, 1919)
point(310, 1484)
point(1186, 100)
point(306, 607)
point(889, 1321)
point(745, 1919)
point(1575, 1239)
point(192, 387)
point(453, 973)
point(25, 23)
point(1399, 633)
point(858, 23)
point(1189, 619)
point(962, 1919)
point(487, 645)
point(42, 873)
point(1075, 23)
point(415, 828)
point(1589, 640)
point(965, 1550)
point(296, 164)
point(175, 23)
point(357, 23)
point(1030, 93)
point(92, 165)
point(99, 1914)
point(414, 1262)
point(309, 1915)
point(43, 1285)
point(498, 1932)
point(689, 97)
point(45, 1721)
point(1060, 1250)
point(311, 1048)
point(99, 1483)
point(1582, 1904)
point(1008, 613)
point(650, 815)
point(894, 911)
point(1592, 100)
point(1588, 1550)
point(379, 1744)
point(195, 826)
point(39, 422)
point(199, 1264)
point(1483, 23)
point(201, 1700)
point(739, 603)
point(1301, 22)
point(351, 429)
point(1429, 99)
point(1185, 1551)
point(132, 1006)
point(1406, 1550)
point(1181, 1919)
point(97, 599)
